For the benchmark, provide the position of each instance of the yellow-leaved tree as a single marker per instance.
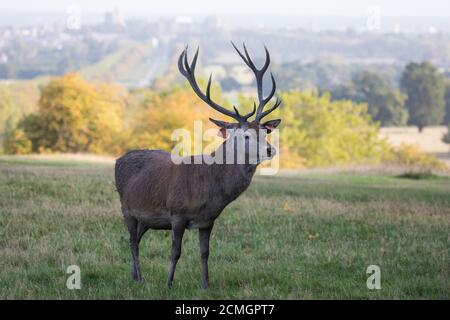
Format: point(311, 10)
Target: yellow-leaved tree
point(76, 116)
point(164, 112)
point(323, 132)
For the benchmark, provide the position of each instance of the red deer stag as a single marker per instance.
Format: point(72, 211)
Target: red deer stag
point(156, 193)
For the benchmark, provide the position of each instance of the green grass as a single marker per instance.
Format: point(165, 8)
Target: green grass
point(308, 236)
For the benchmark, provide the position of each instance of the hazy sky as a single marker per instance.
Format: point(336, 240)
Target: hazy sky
point(226, 7)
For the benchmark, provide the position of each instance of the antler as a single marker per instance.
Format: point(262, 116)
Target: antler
point(259, 74)
point(188, 71)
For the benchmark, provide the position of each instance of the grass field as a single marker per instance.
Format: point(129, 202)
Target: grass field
point(303, 236)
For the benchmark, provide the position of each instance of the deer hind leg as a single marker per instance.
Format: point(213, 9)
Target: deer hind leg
point(132, 225)
point(178, 228)
point(204, 235)
point(141, 230)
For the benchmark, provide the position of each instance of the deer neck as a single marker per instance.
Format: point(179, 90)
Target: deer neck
point(233, 178)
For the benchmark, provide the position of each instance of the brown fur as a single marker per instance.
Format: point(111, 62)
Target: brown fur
point(156, 193)
point(153, 189)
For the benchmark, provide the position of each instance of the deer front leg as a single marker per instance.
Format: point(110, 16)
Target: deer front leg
point(178, 228)
point(204, 235)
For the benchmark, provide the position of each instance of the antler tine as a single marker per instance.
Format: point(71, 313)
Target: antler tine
point(208, 87)
point(242, 56)
point(180, 64)
point(272, 92)
point(275, 106)
point(250, 61)
point(188, 71)
point(259, 75)
point(248, 115)
point(266, 64)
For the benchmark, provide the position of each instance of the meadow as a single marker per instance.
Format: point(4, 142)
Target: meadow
point(293, 236)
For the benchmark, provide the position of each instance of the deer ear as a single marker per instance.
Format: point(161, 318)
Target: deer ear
point(223, 125)
point(270, 125)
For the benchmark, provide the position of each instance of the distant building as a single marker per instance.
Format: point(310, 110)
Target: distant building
point(114, 19)
point(212, 22)
point(183, 20)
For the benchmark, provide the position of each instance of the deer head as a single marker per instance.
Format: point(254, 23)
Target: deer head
point(250, 134)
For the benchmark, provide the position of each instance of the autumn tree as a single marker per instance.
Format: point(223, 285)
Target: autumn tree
point(385, 104)
point(324, 132)
point(446, 137)
point(447, 102)
point(14, 140)
point(164, 112)
point(76, 116)
point(425, 89)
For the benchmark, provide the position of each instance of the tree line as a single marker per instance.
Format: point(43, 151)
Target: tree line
point(318, 129)
point(422, 99)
